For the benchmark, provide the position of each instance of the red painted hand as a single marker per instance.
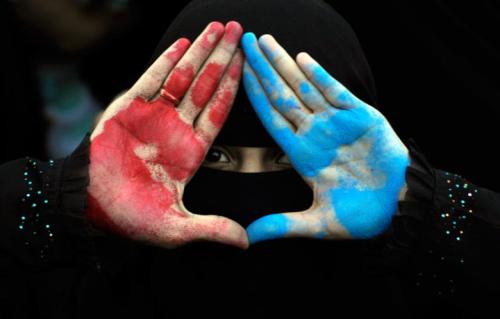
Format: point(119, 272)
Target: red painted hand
point(145, 148)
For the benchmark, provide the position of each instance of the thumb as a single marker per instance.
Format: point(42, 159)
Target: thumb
point(217, 228)
point(309, 223)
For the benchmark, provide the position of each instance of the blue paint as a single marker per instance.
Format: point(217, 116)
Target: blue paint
point(305, 88)
point(367, 213)
point(274, 86)
point(270, 227)
point(272, 121)
point(363, 205)
point(324, 79)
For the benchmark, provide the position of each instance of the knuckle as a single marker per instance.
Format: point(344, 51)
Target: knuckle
point(279, 59)
point(296, 81)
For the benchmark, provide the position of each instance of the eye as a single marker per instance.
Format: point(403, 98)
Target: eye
point(215, 155)
point(283, 159)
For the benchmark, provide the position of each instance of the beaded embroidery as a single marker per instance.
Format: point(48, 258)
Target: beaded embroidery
point(34, 225)
point(453, 222)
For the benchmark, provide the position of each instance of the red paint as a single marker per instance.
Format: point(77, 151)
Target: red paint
point(219, 110)
point(165, 129)
point(140, 199)
point(223, 100)
point(215, 30)
point(206, 84)
point(235, 68)
point(124, 180)
point(233, 32)
point(209, 230)
point(99, 219)
point(179, 81)
point(182, 76)
point(178, 50)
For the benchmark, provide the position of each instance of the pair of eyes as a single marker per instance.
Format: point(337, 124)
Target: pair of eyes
point(218, 155)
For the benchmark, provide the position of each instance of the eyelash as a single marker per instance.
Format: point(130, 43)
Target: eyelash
point(278, 160)
point(222, 154)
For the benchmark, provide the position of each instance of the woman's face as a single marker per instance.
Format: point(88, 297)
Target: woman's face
point(246, 159)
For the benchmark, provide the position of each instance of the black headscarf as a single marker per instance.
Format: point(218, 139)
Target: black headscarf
point(215, 278)
point(298, 25)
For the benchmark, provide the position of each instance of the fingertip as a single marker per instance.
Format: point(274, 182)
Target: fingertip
point(183, 44)
point(177, 49)
point(233, 32)
point(265, 37)
point(267, 228)
point(216, 26)
point(267, 40)
point(242, 240)
point(184, 41)
point(246, 244)
point(302, 57)
point(234, 25)
point(248, 37)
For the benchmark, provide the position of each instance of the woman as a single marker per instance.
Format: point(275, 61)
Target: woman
point(100, 249)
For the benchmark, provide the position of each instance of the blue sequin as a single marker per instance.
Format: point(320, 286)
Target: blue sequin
point(460, 204)
point(31, 223)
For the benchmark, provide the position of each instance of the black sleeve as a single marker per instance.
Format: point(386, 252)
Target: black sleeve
point(445, 240)
point(42, 220)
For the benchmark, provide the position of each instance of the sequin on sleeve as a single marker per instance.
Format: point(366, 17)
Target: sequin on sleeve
point(428, 240)
point(35, 224)
point(52, 228)
point(444, 244)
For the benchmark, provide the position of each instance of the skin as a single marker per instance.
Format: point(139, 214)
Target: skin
point(344, 149)
point(246, 159)
point(145, 149)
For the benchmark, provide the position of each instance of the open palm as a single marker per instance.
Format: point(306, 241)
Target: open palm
point(343, 148)
point(146, 148)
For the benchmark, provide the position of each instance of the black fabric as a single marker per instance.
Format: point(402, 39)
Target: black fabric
point(244, 197)
point(436, 65)
point(393, 275)
point(18, 90)
point(248, 196)
point(339, 52)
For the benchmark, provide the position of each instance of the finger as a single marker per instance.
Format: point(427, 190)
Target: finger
point(277, 126)
point(292, 74)
point(150, 82)
point(207, 80)
point(213, 116)
point(337, 94)
point(179, 80)
point(215, 228)
point(275, 226)
point(279, 93)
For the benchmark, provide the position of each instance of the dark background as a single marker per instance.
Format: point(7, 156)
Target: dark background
point(436, 66)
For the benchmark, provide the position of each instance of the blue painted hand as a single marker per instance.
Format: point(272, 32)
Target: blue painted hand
point(344, 149)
